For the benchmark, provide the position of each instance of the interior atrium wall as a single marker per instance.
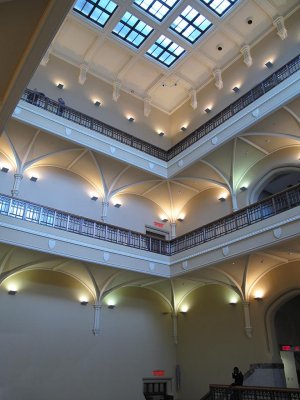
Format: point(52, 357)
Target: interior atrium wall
point(50, 352)
point(114, 113)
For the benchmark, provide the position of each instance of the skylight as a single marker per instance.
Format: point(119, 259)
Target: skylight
point(165, 51)
point(98, 11)
point(158, 9)
point(219, 6)
point(132, 30)
point(190, 24)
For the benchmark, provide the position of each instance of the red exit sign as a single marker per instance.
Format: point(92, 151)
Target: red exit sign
point(158, 372)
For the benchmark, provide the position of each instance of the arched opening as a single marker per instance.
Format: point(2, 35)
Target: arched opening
point(278, 183)
point(287, 330)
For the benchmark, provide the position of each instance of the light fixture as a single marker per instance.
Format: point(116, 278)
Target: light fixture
point(161, 134)
point(243, 188)
point(130, 119)
point(207, 110)
point(180, 219)
point(4, 169)
point(60, 86)
point(94, 198)
point(183, 129)
point(269, 64)
point(33, 178)
point(12, 292)
point(183, 312)
point(233, 301)
point(220, 47)
point(249, 20)
point(258, 295)
point(97, 103)
point(164, 220)
point(117, 205)
point(236, 89)
point(83, 302)
point(111, 306)
point(222, 199)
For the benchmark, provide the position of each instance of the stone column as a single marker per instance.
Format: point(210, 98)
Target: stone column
point(248, 327)
point(96, 328)
point(174, 320)
point(105, 205)
point(173, 230)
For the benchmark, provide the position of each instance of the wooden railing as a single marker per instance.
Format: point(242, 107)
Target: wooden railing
point(40, 100)
point(222, 392)
point(35, 213)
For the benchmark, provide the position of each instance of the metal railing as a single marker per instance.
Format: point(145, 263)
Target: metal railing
point(40, 100)
point(250, 215)
point(222, 392)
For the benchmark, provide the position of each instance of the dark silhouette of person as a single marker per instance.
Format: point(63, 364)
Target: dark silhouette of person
point(61, 106)
point(238, 377)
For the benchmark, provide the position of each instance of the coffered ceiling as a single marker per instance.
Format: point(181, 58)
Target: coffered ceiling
point(165, 83)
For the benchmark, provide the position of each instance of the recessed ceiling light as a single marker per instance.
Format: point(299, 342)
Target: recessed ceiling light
point(220, 47)
point(249, 20)
point(60, 86)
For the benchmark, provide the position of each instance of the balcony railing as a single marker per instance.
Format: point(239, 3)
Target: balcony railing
point(40, 100)
point(222, 392)
point(21, 209)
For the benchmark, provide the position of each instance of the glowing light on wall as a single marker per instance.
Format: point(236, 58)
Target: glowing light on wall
point(258, 294)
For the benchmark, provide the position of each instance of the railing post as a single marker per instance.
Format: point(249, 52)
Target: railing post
point(274, 205)
point(54, 219)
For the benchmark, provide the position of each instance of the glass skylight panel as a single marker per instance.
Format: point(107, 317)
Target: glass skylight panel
point(158, 9)
point(165, 51)
point(98, 11)
point(190, 24)
point(219, 6)
point(132, 30)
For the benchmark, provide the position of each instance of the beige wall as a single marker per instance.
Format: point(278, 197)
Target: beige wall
point(49, 352)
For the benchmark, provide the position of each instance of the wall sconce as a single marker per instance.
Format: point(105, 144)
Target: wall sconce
point(117, 205)
point(221, 199)
point(94, 198)
point(233, 301)
point(60, 86)
point(184, 309)
point(4, 169)
point(207, 110)
point(183, 129)
point(243, 188)
point(83, 302)
point(97, 103)
point(164, 220)
point(180, 219)
point(183, 312)
point(236, 89)
point(130, 119)
point(33, 178)
point(111, 306)
point(161, 134)
point(269, 64)
point(12, 291)
point(258, 295)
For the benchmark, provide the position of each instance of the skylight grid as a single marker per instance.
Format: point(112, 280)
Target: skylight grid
point(158, 9)
point(165, 51)
point(98, 11)
point(219, 6)
point(190, 24)
point(132, 30)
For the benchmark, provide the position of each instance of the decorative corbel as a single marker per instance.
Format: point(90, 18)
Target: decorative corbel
point(105, 205)
point(245, 50)
point(248, 327)
point(45, 59)
point(16, 186)
point(193, 97)
point(116, 92)
point(82, 74)
point(97, 310)
point(147, 106)
point(217, 73)
point(173, 230)
point(281, 29)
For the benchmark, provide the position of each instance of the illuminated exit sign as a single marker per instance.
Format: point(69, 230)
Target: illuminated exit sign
point(158, 372)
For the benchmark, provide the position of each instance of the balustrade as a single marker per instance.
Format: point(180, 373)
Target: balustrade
point(222, 392)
